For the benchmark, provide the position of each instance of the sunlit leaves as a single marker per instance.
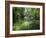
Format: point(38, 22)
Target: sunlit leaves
point(26, 18)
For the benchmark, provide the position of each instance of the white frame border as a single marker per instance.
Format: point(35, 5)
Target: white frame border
point(27, 31)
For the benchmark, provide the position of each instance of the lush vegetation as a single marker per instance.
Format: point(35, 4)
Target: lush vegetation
point(26, 18)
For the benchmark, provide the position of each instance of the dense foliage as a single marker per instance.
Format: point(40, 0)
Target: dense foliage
point(26, 18)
